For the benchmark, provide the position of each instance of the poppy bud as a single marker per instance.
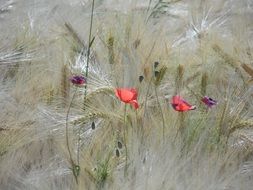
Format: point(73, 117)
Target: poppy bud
point(156, 64)
point(117, 153)
point(93, 125)
point(141, 78)
point(119, 145)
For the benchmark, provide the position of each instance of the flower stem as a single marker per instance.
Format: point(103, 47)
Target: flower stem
point(78, 146)
point(146, 97)
point(160, 107)
point(124, 133)
point(86, 76)
point(89, 46)
point(73, 165)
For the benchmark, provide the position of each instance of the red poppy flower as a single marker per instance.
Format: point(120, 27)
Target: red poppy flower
point(78, 80)
point(179, 104)
point(128, 95)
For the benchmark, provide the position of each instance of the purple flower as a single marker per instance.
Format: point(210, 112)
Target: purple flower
point(78, 80)
point(209, 101)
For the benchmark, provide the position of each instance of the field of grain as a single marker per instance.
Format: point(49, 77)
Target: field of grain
point(57, 133)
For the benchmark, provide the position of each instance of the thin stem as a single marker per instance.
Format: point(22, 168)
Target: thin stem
point(160, 107)
point(146, 97)
point(138, 127)
point(89, 46)
point(149, 5)
point(86, 76)
point(67, 136)
point(124, 133)
point(181, 123)
point(78, 146)
point(67, 118)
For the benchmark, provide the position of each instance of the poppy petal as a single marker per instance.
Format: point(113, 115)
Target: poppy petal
point(117, 93)
point(135, 104)
point(135, 94)
point(126, 95)
point(176, 100)
point(179, 104)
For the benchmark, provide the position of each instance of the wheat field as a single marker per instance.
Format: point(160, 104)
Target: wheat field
point(58, 135)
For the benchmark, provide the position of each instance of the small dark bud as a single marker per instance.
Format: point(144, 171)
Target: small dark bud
point(117, 153)
point(119, 145)
point(93, 125)
point(136, 43)
point(144, 160)
point(76, 170)
point(141, 78)
point(156, 64)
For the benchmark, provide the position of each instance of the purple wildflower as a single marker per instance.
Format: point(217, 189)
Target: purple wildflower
point(78, 80)
point(209, 101)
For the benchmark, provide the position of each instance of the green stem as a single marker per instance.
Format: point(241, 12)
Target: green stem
point(181, 123)
point(73, 165)
point(160, 107)
point(149, 5)
point(86, 76)
point(146, 97)
point(78, 146)
point(124, 133)
point(88, 53)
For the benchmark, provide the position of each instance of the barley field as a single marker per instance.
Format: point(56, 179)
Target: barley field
point(126, 95)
